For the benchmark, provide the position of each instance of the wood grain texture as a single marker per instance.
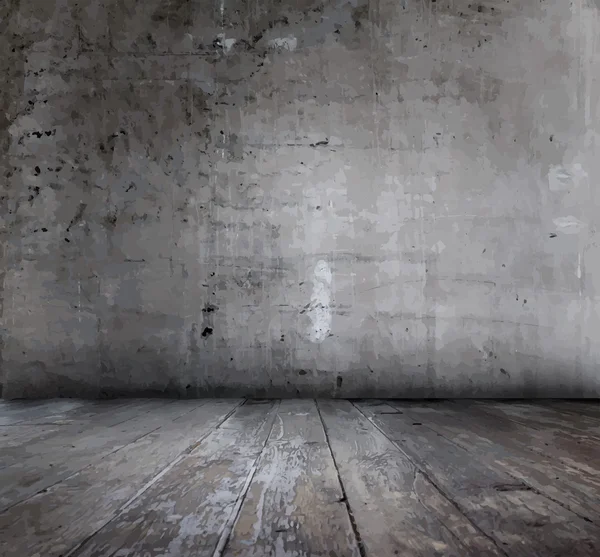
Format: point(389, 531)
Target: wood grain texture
point(15, 441)
point(570, 449)
point(40, 465)
point(497, 442)
point(186, 511)
point(577, 407)
point(520, 520)
point(149, 478)
point(35, 437)
point(14, 412)
point(84, 413)
point(295, 503)
point(544, 417)
point(398, 511)
point(55, 520)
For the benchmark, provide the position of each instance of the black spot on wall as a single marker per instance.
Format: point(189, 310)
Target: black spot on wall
point(78, 216)
point(110, 220)
point(207, 332)
point(34, 192)
point(360, 13)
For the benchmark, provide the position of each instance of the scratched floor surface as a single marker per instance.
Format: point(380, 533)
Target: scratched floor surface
point(299, 478)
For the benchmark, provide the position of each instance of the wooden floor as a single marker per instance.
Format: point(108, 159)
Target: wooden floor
point(299, 478)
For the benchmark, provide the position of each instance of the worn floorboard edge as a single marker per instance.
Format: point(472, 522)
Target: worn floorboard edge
point(97, 458)
point(19, 501)
point(39, 410)
point(578, 407)
point(541, 493)
point(532, 486)
point(37, 421)
point(143, 412)
point(63, 427)
point(144, 409)
point(561, 446)
point(427, 476)
point(152, 481)
point(505, 470)
point(235, 511)
point(455, 455)
point(355, 530)
point(537, 422)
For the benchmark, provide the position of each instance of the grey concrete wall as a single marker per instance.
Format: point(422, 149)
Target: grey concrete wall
point(348, 198)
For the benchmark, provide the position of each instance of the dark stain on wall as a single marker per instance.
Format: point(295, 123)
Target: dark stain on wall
point(406, 143)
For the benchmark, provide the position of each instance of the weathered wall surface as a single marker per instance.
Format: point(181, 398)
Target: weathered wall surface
point(348, 198)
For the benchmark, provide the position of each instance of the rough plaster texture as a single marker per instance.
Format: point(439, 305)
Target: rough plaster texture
point(346, 198)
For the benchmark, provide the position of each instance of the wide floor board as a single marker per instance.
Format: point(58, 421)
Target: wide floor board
point(254, 478)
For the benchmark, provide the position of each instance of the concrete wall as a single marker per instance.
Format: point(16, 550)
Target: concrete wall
point(348, 198)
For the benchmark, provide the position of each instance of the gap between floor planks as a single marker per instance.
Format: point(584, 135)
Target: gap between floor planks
point(489, 491)
point(269, 444)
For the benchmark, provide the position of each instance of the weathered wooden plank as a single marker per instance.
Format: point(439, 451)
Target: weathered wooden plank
point(91, 410)
point(57, 457)
point(14, 438)
point(573, 450)
point(297, 421)
point(26, 439)
point(16, 435)
point(55, 521)
point(523, 522)
point(14, 412)
point(398, 511)
point(543, 417)
point(496, 442)
point(246, 415)
point(295, 504)
point(579, 407)
point(187, 510)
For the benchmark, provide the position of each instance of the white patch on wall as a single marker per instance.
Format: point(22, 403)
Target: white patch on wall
point(569, 225)
point(562, 178)
point(228, 44)
point(320, 309)
point(438, 247)
point(441, 310)
point(284, 43)
point(392, 180)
